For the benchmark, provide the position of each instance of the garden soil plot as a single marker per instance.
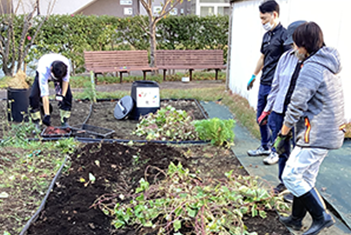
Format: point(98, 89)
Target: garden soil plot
point(102, 116)
point(116, 169)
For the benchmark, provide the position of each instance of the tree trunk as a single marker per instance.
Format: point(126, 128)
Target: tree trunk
point(7, 71)
point(152, 28)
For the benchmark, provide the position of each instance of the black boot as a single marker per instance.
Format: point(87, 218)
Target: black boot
point(294, 221)
point(315, 206)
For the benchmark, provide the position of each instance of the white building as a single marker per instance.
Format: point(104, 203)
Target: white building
point(247, 32)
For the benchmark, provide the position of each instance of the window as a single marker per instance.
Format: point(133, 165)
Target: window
point(223, 10)
point(206, 11)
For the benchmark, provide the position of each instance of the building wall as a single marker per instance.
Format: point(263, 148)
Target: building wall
point(181, 8)
point(210, 7)
point(60, 7)
point(247, 33)
point(121, 8)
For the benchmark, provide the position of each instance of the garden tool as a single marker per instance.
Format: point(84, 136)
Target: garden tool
point(64, 115)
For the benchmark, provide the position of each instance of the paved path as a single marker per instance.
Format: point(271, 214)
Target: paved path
point(333, 180)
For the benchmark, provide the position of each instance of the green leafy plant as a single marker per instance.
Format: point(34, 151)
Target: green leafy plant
point(218, 131)
point(183, 200)
point(167, 124)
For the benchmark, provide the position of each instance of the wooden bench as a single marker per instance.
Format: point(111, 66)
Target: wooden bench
point(117, 61)
point(189, 59)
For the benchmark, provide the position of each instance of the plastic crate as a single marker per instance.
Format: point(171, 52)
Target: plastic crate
point(46, 135)
point(85, 130)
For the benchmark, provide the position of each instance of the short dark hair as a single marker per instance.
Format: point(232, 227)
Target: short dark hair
point(269, 6)
point(310, 36)
point(59, 69)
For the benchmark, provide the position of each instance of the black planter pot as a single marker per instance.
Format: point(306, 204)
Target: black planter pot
point(146, 98)
point(17, 104)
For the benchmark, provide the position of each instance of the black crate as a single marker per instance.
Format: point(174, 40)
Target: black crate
point(85, 130)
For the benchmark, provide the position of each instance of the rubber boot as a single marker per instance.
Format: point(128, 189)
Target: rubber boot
point(294, 221)
point(315, 206)
point(36, 119)
point(64, 115)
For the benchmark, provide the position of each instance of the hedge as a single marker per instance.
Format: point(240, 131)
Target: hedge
point(71, 35)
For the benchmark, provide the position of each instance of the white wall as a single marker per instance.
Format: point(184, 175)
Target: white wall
point(247, 33)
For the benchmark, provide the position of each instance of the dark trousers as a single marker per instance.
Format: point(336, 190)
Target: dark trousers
point(261, 104)
point(275, 123)
point(35, 99)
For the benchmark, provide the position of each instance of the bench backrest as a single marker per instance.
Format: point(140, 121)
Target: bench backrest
point(189, 57)
point(115, 59)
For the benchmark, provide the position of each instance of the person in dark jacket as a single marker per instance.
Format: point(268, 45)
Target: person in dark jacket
point(316, 110)
point(271, 49)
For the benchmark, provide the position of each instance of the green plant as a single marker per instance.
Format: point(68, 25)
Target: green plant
point(219, 132)
point(182, 200)
point(17, 134)
point(167, 124)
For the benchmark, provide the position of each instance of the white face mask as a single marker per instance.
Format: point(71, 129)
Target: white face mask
point(300, 56)
point(268, 26)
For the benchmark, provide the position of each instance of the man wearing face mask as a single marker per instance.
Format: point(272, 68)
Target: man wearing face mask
point(271, 49)
point(51, 67)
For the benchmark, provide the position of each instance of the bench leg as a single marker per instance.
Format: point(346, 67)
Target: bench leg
point(217, 74)
point(190, 74)
point(120, 77)
point(164, 74)
point(144, 72)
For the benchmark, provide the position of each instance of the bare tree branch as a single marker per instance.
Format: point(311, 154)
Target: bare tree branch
point(26, 27)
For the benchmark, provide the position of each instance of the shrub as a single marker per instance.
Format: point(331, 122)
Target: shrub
point(218, 131)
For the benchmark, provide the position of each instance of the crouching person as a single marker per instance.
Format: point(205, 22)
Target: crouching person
point(316, 110)
point(55, 68)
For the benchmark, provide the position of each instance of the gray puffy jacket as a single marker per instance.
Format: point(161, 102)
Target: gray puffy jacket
point(316, 108)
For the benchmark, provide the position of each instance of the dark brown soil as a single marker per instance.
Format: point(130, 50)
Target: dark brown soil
point(102, 116)
point(68, 208)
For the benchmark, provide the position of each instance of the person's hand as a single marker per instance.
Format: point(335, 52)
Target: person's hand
point(59, 98)
point(282, 142)
point(263, 119)
point(63, 101)
point(251, 82)
point(46, 120)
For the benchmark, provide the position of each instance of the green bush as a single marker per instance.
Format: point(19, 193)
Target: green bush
point(219, 132)
point(71, 35)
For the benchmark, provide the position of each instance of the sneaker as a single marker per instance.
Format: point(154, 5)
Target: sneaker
point(279, 189)
point(272, 159)
point(288, 197)
point(259, 152)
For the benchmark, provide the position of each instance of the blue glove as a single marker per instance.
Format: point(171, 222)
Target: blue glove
point(251, 81)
